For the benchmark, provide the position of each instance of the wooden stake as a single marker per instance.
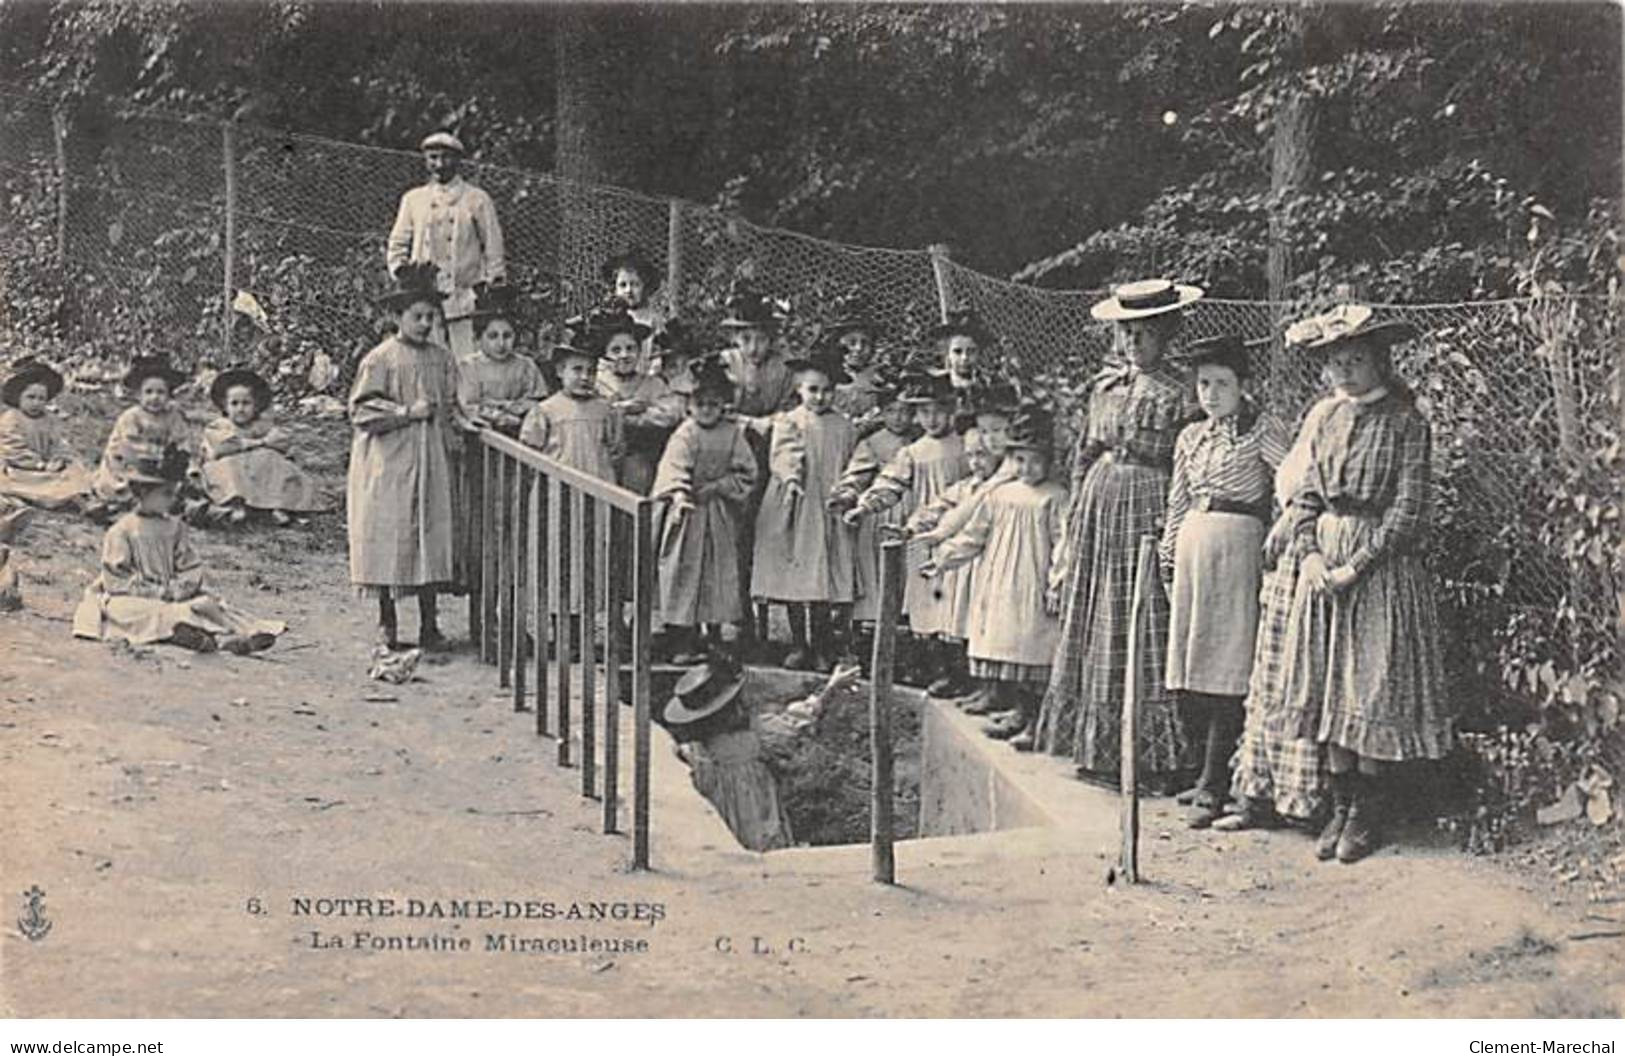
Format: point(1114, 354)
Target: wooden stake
point(674, 258)
point(228, 292)
point(59, 130)
point(881, 826)
point(939, 267)
point(1128, 767)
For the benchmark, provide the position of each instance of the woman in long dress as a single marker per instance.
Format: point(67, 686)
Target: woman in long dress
point(1364, 670)
point(1120, 476)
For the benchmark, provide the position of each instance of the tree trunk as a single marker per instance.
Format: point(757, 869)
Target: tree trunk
point(1291, 154)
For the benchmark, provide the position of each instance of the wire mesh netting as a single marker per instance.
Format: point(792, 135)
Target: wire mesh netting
point(137, 208)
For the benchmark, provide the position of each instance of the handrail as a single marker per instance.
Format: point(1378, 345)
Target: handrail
point(614, 494)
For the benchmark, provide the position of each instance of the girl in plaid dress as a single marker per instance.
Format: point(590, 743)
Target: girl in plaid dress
point(1120, 486)
point(1364, 672)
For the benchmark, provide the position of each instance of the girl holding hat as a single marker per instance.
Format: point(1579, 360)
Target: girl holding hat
point(1120, 478)
point(497, 386)
point(648, 409)
point(154, 422)
point(1210, 556)
point(151, 587)
point(633, 281)
point(915, 477)
point(735, 751)
point(707, 472)
point(245, 456)
point(35, 463)
point(804, 555)
point(1364, 674)
point(403, 408)
point(1012, 536)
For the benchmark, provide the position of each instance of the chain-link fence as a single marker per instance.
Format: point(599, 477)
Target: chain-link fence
point(160, 220)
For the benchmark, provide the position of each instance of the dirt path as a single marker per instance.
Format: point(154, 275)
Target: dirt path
point(153, 794)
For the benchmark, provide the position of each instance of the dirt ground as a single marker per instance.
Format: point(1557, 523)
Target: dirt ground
point(159, 798)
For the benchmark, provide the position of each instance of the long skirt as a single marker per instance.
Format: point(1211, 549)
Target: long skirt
point(1365, 668)
point(1274, 763)
point(45, 489)
point(729, 771)
point(1214, 603)
point(146, 620)
point(1081, 714)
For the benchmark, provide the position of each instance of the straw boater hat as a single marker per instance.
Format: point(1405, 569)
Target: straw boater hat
point(962, 321)
point(149, 464)
point(1143, 299)
point(1228, 350)
point(442, 140)
point(748, 308)
point(701, 693)
point(414, 282)
point(1344, 323)
point(229, 379)
point(632, 260)
point(25, 372)
point(144, 367)
point(824, 362)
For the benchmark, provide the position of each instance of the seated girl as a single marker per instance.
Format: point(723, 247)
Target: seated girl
point(154, 422)
point(35, 463)
point(151, 587)
point(245, 457)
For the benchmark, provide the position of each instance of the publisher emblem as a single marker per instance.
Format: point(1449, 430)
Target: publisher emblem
point(33, 923)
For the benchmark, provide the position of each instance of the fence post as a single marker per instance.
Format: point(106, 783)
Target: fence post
point(228, 147)
point(939, 267)
point(1128, 766)
point(643, 588)
point(881, 828)
point(59, 132)
point(674, 258)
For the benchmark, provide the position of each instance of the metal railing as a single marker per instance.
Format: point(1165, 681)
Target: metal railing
point(545, 548)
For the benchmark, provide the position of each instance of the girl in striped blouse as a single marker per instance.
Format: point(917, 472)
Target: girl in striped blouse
point(1211, 557)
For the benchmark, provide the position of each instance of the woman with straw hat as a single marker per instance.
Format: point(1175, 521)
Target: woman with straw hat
point(1364, 674)
point(1120, 474)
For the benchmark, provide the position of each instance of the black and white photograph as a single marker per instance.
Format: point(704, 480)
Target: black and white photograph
point(835, 511)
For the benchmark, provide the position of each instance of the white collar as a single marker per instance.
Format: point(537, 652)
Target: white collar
point(1366, 398)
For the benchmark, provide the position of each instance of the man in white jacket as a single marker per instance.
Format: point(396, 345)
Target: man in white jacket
point(452, 224)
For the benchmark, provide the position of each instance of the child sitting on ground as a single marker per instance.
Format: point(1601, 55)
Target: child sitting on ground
point(151, 587)
point(1012, 535)
point(154, 422)
point(707, 472)
point(245, 457)
point(35, 463)
point(496, 386)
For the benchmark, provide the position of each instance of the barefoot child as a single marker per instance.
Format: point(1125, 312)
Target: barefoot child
point(496, 386)
point(245, 457)
point(35, 463)
point(916, 476)
point(151, 587)
point(1012, 536)
point(153, 423)
point(707, 472)
point(804, 555)
point(403, 407)
point(1211, 556)
point(648, 409)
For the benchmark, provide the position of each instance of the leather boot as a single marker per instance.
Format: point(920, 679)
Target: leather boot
point(1342, 795)
point(1362, 834)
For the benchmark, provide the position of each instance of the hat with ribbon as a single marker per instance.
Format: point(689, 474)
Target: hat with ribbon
point(495, 300)
point(1144, 299)
point(962, 321)
point(994, 397)
point(25, 372)
point(927, 386)
point(825, 361)
point(1227, 350)
point(442, 140)
point(711, 377)
point(677, 338)
point(1346, 322)
point(704, 691)
point(749, 308)
point(227, 380)
point(1032, 427)
point(604, 322)
point(144, 367)
point(413, 282)
point(851, 314)
point(633, 260)
point(151, 464)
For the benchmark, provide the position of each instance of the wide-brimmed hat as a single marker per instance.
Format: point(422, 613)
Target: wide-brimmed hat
point(1229, 350)
point(710, 375)
point(604, 322)
point(822, 361)
point(575, 347)
point(495, 300)
point(144, 367)
point(632, 260)
point(962, 321)
point(1145, 298)
point(703, 692)
point(748, 307)
point(442, 140)
point(413, 281)
point(851, 313)
point(25, 372)
point(927, 386)
point(151, 464)
point(1344, 323)
point(677, 338)
point(1031, 426)
point(987, 397)
point(229, 379)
